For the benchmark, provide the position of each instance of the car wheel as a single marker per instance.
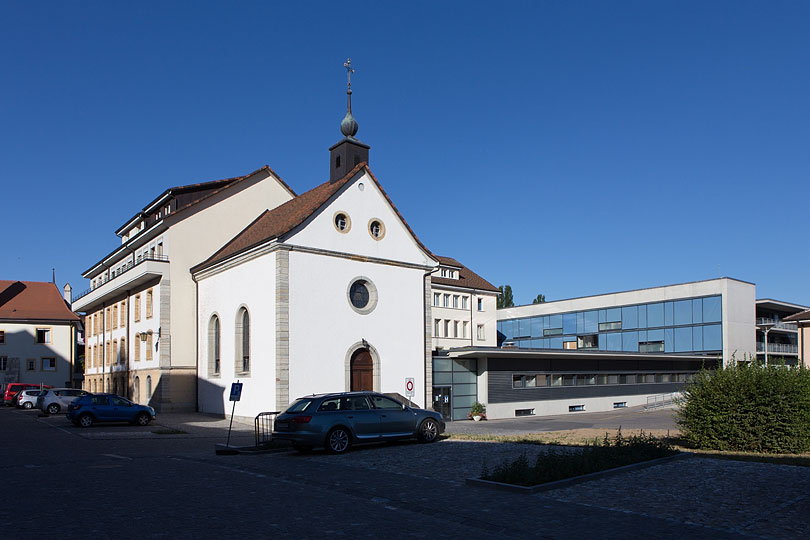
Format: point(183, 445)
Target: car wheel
point(85, 420)
point(338, 441)
point(143, 419)
point(53, 408)
point(28, 405)
point(428, 430)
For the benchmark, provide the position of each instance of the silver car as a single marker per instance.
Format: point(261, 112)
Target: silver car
point(27, 399)
point(336, 421)
point(55, 400)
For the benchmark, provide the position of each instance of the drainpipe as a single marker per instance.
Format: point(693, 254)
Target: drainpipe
point(196, 342)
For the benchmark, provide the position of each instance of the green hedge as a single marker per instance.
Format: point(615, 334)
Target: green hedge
point(600, 456)
point(746, 407)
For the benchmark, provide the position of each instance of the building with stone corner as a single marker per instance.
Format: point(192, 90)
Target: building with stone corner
point(37, 334)
point(140, 318)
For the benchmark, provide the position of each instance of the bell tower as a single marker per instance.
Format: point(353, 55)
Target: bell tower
point(347, 152)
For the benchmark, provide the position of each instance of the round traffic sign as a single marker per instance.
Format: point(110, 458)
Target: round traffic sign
point(409, 386)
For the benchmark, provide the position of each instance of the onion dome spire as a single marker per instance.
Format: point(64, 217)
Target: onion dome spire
point(348, 126)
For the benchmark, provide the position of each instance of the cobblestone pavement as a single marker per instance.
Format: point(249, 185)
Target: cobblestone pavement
point(175, 487)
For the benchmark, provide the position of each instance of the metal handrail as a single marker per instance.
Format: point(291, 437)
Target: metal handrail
point(661, 400)
point(778, 347)
point(263, 427)
point(126, 268)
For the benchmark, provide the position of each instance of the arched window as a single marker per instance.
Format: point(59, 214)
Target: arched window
point(213, 347)
point(123, 350)
point(242, 342)
point(136, 390)
point(148, 387)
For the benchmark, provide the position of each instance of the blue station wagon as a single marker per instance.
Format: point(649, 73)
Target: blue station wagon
point(336, 421)
point(87, 410)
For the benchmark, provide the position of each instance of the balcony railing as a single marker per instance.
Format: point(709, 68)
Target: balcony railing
point(788, 348)
point(775, 323)
point(124, 269)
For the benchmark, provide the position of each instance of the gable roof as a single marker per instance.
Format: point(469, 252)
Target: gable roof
point(466, 277)
point(33, 300)
point(281, 220)
point(200, 191)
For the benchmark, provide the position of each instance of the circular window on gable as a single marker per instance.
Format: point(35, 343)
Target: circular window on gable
point(362, 295)
point(342, 222)
point(376, 229)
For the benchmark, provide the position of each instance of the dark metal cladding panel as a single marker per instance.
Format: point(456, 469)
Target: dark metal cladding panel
point(501, 391)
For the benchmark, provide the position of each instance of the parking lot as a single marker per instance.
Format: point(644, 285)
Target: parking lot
point(120, 481)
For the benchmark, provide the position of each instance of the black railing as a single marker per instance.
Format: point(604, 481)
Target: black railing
point(263, 427)
point(123, 270)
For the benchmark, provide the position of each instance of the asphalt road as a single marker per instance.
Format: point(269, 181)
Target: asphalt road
point(122, 482)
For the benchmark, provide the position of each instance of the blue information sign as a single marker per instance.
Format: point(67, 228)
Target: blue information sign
point(236, 391)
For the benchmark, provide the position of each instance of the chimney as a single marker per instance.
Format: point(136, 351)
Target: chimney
point(68, 295)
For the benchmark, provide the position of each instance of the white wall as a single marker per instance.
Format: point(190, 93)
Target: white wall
point(21, 345)
point(323, 326)
point(739, 320)
point(251, 284)
point(361, 206)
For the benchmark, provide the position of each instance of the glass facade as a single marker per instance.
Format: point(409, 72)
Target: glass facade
point(461, 377)
point(691, 325)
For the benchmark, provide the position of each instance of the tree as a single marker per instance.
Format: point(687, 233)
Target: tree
point(541, 298)
point(505, 299)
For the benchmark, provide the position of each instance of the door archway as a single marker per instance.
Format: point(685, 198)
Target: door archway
point(362, 371)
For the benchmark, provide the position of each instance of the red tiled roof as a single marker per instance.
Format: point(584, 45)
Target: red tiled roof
point(284, 218)
point(33, 300)
point(466, 277)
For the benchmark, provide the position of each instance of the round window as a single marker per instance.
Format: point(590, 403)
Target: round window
point(362, 295)
point(376, 229)
point(359, 294)
point(342, 222)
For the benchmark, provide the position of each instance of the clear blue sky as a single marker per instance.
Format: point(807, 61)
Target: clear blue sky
point(568, 148)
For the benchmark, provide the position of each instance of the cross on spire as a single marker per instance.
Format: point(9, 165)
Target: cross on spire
point(349, 70)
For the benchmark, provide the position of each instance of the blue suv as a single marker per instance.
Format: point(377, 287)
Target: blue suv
point(92, 408)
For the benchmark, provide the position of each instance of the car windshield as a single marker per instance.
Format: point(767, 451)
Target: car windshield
point(299, 406)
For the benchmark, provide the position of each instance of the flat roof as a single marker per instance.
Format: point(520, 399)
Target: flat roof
point(637, 290)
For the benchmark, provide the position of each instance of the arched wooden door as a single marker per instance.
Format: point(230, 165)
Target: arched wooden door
point(362, 367)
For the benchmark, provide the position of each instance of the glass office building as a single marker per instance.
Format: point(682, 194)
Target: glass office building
point(690, 325)
point(607, 351)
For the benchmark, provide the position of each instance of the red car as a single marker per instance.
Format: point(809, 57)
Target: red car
point(12, 389)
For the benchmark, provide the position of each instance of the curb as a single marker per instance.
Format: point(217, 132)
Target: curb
point(223, 450)
point(565, 482)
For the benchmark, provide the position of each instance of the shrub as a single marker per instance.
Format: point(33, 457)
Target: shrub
point(747, 407)
point(599, 456)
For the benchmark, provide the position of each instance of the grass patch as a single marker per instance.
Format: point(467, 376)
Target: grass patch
point(574, 437)
point(608, 453)
point(584, 437)
point(169, 432)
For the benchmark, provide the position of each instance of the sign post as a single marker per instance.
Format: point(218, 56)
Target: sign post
point(409, 389)
point(236, 395)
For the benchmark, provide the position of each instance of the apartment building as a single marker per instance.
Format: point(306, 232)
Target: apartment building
point(37, 334)
point(140, 319)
